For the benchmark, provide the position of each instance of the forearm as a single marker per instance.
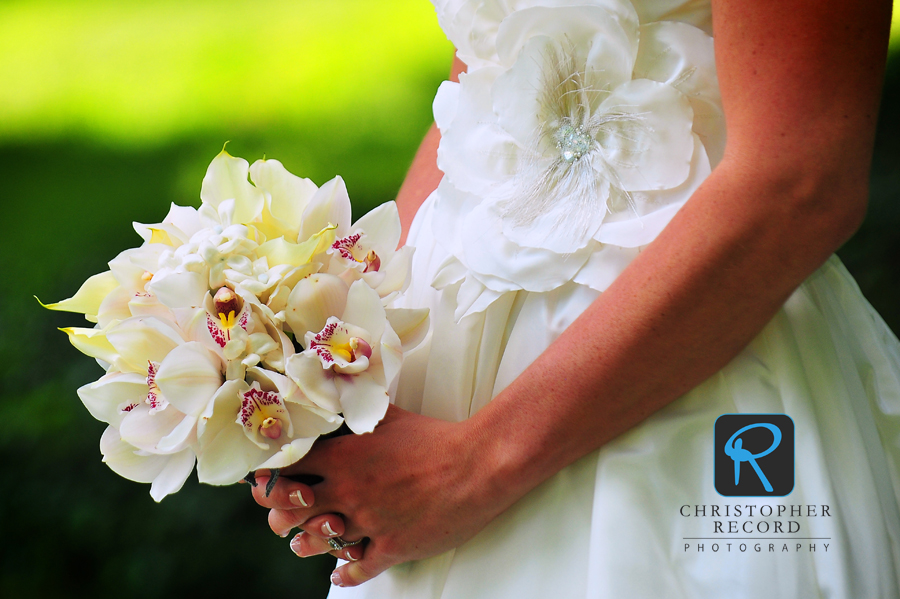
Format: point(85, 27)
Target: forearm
point(686, 306)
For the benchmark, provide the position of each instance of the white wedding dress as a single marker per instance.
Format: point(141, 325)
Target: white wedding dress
point(579, 130)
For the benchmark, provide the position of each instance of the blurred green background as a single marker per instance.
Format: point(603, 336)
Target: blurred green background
point(109, 111)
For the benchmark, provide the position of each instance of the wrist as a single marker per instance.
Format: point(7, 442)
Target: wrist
point(497, 466)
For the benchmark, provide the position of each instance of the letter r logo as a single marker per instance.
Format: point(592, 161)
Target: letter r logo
point(754, 455)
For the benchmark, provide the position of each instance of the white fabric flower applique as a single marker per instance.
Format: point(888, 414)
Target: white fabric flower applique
point(572, 149)
point(472, 25)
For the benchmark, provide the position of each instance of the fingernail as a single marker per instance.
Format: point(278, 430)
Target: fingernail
point(283, 534)
point(326, 529)
point(295, 544)
point(348, 556)
point(297, 499)
point(336, 579)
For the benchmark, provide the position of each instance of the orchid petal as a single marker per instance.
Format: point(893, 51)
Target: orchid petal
point(395, 276)
point(173, 475)
point(142, 339)
point(364, 309)
point(145, 430)
point(189, 376)
point(125, 461)
point(105, 397)
point(316, 383)
point(382, 227)
point(290, 453)
point(180, 290)
point(391, 355)
point(363, 401)
point(226, 455)
point(313, 300)
point(410, 325)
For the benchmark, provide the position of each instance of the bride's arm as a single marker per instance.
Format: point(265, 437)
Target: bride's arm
point(800, 83)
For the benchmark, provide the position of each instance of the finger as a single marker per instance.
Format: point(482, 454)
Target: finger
point(354, 573)
point(286, 495)
point(282, 522)
point(325, 526)
point(306, 545)
point(351, 554)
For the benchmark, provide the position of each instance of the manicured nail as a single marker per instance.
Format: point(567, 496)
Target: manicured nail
point(336, 579)
point(283, 534)
point(297, 499)
point(295, 544)
point(348, 556)
point(326, 529)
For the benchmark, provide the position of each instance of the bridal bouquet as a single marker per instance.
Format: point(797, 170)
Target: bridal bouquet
point(240, 332)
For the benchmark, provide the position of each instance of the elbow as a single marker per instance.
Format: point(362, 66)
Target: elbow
point(816, 199)
point(829, 204)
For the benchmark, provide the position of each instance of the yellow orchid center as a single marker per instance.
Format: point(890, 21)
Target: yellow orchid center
point(335, 343)
point(230, 311)
point(227, 322)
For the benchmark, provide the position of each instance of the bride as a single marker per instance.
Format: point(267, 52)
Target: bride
point(606, 278)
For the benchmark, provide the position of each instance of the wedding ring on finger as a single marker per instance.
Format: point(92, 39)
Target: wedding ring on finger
point(337, 543)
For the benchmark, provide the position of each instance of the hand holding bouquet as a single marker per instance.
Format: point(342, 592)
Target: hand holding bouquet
point(240, 332)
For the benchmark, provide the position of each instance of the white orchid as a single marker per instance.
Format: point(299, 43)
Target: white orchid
point(244, 332)
point(154, 398)
point(369, 252)
point(349, 365)
point(266, 423)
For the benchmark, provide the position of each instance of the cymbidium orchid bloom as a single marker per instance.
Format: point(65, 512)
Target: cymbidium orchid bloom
point(266, 423)
point(244, 332)
point(369, 252)
point(349, 365)
point(155, 398)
